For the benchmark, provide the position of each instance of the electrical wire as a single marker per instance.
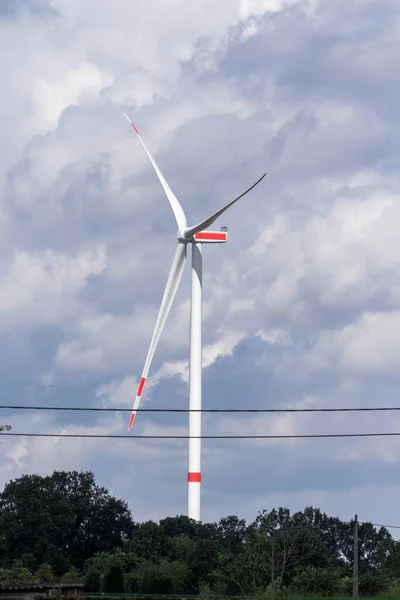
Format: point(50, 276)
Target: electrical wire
point(203, 437)
point(202, 410)
point(379, 525)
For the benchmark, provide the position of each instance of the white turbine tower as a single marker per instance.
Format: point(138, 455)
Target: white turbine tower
point(195, 236)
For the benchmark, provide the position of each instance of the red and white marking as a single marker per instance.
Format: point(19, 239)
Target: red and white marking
point(139, 392)
point(129, 121)
point(211, 236)
point(194, 477)
point(140, 387)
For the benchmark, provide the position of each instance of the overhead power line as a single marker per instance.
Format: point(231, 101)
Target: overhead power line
point(204, 410)
point(203, 437)
point(379, 525)
point(309, 526)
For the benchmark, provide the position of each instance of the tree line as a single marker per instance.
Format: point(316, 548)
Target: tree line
point(64, 527)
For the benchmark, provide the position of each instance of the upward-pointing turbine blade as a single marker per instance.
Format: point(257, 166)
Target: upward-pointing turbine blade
point(189, 231)
point(177, 209)
point(174, 278)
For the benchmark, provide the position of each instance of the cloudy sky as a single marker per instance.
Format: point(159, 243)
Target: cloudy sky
point(301, 307)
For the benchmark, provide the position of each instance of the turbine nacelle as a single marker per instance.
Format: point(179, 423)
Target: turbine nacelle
point(205, 237)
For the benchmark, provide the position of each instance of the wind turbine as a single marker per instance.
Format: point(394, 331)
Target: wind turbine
point(195, 236)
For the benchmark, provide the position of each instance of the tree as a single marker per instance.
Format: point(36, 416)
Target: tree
point(62, 519)
point(338, 539)
point(101, 521)
point(53, 526)
point(148, 541)
point(273, 549)
point(179, 548)
point(373, 546)
point(73, 575)
point(290, 545)
point(17, 574)
point(372, 584)
point(113, 581)
point(317, 581)
point(179, 526)
point(45, 574)
point(202, 560)
point(390, 558)
point(231, 532)
point(95, 569)
point(165, 577)
point(336, 535)
point(250, 570)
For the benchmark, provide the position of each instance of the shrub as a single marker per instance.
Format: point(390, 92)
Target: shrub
point(72, 576)
point(315, 580)
point(372, 584)
point(45, 573)
point(114, 579)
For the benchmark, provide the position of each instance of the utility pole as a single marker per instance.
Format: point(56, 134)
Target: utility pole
point(355, 559)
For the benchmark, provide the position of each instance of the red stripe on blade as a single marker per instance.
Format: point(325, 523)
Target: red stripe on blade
point(210, 235)
point(194, 477)
point(134, 128)
point(141, 386)
point(131, 420)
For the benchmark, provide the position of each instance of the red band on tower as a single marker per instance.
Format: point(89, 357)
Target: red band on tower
point(131, 420)
point(194, 477)
point(141, 386)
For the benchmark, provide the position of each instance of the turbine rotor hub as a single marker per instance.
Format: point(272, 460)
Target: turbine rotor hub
point(183, 237)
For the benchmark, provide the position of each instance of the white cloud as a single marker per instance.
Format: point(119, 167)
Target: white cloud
point(252, 8)
point(75, 86)
point(223, 347)
point(274, 336)
point(347, 255)
point(40, 287)
point(370, 344)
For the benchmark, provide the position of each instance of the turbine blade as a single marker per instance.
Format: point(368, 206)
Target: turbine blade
point(189, 231)
point(177, 209)
point(171, 287)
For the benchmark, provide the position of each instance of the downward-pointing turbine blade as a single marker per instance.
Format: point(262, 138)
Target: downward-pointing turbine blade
point(177, 209)
point(174, 278)
point(210, 220)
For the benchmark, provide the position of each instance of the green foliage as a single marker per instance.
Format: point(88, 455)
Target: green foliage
point(62, 519)
point(148, 541)
point(201, 561)
point(180, 526)
point(231, 532)
point(113, 581)
point(179, 548)
point(372, 584)
point(317, 581)
point(64, 527)
point(45, 574)
point(205, 589)
point(273, 590)
point(273, 548)
point(165, 577)
point(95, 569)
point(73, 575)
point(17, 574)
